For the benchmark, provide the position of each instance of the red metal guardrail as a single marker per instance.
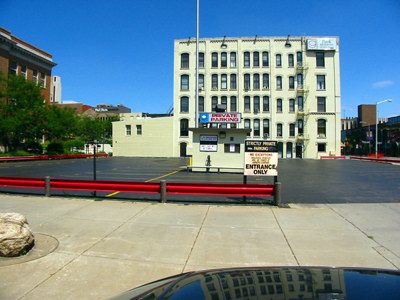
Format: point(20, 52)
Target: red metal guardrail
point(161, 188)
point(380, 160)
point(47, 157)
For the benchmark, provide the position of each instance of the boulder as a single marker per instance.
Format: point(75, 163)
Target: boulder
point(16, 238)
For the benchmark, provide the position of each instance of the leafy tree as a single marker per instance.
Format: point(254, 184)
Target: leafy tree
point(61, 123)
point(22, 112)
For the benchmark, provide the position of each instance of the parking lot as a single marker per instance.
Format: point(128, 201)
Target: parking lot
point(303, 181)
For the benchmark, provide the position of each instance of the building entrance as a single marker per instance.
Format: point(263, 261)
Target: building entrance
point(299, 151)
point(183, 147)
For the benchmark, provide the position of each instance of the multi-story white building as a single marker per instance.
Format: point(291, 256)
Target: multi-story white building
point(286, 89)
point(55, 90)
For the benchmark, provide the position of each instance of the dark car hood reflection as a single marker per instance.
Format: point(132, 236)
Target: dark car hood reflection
point(274, 283)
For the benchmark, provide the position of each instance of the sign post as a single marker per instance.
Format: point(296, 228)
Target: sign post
point(261, 159)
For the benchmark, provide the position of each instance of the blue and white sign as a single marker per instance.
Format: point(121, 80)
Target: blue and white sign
point(230, 117)
point(204, 117)
point(322, 44)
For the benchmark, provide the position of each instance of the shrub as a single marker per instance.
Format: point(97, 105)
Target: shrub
point(33, 147)
point(55, 148)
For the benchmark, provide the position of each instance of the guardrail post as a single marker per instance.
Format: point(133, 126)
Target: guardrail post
point(277, 194)
point(47, 191)
point(163, 191)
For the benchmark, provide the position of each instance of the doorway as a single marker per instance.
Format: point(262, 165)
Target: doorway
point(182, 152)
point(299, 151)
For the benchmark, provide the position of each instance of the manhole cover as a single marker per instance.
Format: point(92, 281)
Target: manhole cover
point(44, 244)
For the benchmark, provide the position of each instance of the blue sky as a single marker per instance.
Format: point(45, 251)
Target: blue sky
point(121, 51)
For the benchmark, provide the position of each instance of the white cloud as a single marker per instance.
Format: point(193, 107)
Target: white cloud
point(382, 84)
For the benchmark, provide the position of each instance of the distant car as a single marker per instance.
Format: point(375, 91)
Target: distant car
point(273, 283)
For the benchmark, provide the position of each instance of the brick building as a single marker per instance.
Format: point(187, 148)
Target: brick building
point(21, 58)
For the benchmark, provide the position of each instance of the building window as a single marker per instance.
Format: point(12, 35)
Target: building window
point(321, 101)
point(185, 61)
point(321, 128)
point(224, 101)
point(247, 104)
point(256, 127)
point(35, 76)
point(232, 148)
point(320, 57)
point(43, 80)
point(265, 59)
point(279, 105)
point(278, 60)
point(292, 130)
point(184, 127)
point(214, 82)
point(291, 60)
point(233, 59)
point(201, 60)
point(321, 147)
point(246, 82)
point(291, 82)
point(247, 125)
point(256, 59)
point(299, 59)
point(256, 81)
point(291, 105)
point(299, 81)
point(279, 130)
point(300, 126)
point(233, 103)
point(278, 82)
point(201, 104)
point(128, 130)
point(246, 59)
point(224, 60)
point(184, 104)
point(266, 81)
point(256, 104)
point(184, 82)
point(233, 81)
point(300, 103)
point(214, 103)
point(138, 129)
point(214, 60)
point(321, 82)
point(224, 82)
point(266, 128)
point(201, 82)
point(13, 69)
point(266, 104)
point(24, 72)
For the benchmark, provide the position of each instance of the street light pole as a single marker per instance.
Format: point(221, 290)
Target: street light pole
point(376, 125)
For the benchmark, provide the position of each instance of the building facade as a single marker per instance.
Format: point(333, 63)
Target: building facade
point(286, 89)
point(55, 90)
point(18, 57)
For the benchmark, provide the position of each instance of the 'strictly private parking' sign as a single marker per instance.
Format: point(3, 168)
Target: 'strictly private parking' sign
point(261, 158)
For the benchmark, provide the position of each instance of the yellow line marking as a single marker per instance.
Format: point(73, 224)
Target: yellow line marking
point(165, 175)
point(171, 173)
point(112, 194)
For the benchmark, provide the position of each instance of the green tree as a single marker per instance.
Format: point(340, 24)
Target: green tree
point(92, 129)
point(22, 112)
point(61, 123)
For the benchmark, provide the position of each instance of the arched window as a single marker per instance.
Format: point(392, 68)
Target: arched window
point(256, 59)
point(214, 103)
point(185, 61)
point(247, 81)
point(184, 82)
point(256, 127)
point(201, 103)
point(266, 128)
point(247, 104)
point(184, 104)
point(184, 128)
point(246, 60)
point(265, 59)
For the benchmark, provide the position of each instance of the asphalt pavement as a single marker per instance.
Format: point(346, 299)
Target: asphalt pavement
point(303, 181)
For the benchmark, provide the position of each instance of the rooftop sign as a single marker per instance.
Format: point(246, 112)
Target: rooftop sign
point(220, 117)
point(322, 44)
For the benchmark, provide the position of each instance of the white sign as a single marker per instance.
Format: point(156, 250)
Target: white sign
point(208, 148)
point(322, 44)
point(261, 158)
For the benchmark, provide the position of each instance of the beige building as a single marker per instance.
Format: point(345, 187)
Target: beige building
point(138, 134)
point(286, 89)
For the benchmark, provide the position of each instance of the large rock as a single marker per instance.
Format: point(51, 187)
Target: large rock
point(16, 238)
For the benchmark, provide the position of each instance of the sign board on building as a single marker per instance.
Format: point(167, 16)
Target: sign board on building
point(220, 117)
point(208, 143)
point(101, 109)
point(261, 158)
point(322, 44)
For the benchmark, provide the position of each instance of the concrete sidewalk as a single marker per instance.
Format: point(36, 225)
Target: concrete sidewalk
point(107, 247)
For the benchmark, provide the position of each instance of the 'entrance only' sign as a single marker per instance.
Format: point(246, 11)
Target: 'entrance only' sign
point(261, 158)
